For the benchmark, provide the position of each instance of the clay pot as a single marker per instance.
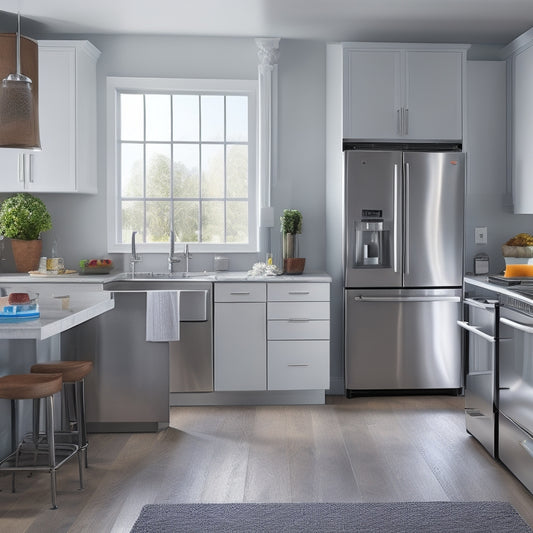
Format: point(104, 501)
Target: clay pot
point(294, 265)
point(26, 254)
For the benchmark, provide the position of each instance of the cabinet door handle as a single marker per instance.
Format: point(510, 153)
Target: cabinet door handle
point(298, 319)
point(398, 123)
point(20, 167)
point(297, 364)
point(30, 167)
point(240, 292)
point(298, 292)
point(406, 121)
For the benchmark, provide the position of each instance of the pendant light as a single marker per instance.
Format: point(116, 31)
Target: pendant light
point(19, 124)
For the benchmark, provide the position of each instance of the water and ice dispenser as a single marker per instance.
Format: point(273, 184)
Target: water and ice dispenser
point(371, 240)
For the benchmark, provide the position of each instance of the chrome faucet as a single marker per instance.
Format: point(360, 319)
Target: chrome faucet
point(172, 258)
point(135, 257)
point(187, 255)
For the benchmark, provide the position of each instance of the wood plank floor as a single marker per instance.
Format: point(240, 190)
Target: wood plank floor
point(359, 450)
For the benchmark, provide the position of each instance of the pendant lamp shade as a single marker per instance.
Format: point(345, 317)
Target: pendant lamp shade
point(19, 110)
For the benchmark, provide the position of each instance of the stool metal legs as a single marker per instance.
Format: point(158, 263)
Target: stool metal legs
point(36, 444)
point(51, 447)
point(82, 427)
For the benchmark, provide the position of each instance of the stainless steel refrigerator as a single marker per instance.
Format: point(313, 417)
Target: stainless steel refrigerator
point(403, 270)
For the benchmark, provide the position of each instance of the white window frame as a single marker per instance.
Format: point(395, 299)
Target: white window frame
point(197, 86)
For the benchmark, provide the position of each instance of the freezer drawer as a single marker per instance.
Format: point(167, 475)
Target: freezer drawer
point(402, 339)
point(516, 450)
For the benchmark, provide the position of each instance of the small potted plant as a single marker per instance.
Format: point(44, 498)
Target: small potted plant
point(23, 217)
point(291, 225)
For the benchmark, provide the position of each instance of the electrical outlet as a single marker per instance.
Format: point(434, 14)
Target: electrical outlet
point(481, 236)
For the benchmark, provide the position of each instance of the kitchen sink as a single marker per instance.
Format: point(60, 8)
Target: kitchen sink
point(144, 276)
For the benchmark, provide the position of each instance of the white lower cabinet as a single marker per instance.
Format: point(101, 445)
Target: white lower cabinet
point(274, 342)
point(298, 336)
point(298, 365)
point(240, 337)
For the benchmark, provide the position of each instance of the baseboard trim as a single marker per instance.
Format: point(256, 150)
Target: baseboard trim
point(307, 397)
point(126, 427)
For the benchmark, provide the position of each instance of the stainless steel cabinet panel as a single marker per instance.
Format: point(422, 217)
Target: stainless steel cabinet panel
point(516, 451)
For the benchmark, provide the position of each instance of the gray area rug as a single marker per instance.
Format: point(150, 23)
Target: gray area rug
point(405, 517)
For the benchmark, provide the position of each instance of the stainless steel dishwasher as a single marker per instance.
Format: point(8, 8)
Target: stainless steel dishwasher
point(129, 388)
point(190, 358)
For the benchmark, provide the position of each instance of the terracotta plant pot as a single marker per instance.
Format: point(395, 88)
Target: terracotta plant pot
point(294, 265)
point(26, 254)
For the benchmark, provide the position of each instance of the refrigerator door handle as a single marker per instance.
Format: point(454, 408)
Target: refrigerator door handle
point(395, 220)
point(406, 218)
point(407, 299)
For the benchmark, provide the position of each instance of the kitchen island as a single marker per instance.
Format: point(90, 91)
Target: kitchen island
point(25, 343)
point(265, 339)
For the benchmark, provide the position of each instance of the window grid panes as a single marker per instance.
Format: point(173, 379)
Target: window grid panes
point(184, 165)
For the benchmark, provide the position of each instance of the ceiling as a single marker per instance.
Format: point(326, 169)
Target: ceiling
point(459, 21)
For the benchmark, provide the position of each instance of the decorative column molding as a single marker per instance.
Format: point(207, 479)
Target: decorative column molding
point(268, 56)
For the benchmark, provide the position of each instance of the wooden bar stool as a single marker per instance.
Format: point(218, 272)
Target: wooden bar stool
point(73, 423)
point(25, 454)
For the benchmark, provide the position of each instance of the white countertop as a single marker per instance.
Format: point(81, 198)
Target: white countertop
point(320, 277)
point(61, 278)
point(54, 319)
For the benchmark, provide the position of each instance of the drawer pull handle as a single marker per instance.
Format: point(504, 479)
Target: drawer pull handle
point(239, 292)
point(528, 446)
point(298, 292)
point(297, 364)
point(298, 320)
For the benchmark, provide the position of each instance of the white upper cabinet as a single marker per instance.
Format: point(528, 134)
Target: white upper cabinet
point(67, 121)
point(393, 92)
point(521, 129)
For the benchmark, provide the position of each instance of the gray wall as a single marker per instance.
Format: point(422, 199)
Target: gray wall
point(488, 200)
point(80, 220)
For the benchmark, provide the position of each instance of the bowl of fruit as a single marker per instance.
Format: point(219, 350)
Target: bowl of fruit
point(518, 249)
point(96, 266)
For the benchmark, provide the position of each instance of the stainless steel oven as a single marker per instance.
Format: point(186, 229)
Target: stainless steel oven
point(516, 388)
point(481, 356)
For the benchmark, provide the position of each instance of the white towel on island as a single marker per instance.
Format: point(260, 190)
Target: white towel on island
point(162, 316)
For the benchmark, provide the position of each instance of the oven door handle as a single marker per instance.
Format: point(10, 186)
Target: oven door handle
point(475, 331)
point(481, 304)
point(516, 325)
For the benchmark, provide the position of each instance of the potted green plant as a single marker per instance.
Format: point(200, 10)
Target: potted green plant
point(291, 225)
point(23, 217)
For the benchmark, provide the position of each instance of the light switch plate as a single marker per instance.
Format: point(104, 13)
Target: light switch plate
point(481, 236)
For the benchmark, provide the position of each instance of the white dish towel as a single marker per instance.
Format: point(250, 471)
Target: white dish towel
point(162, 316)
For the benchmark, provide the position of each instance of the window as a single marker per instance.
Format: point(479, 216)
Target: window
point(182, 159)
